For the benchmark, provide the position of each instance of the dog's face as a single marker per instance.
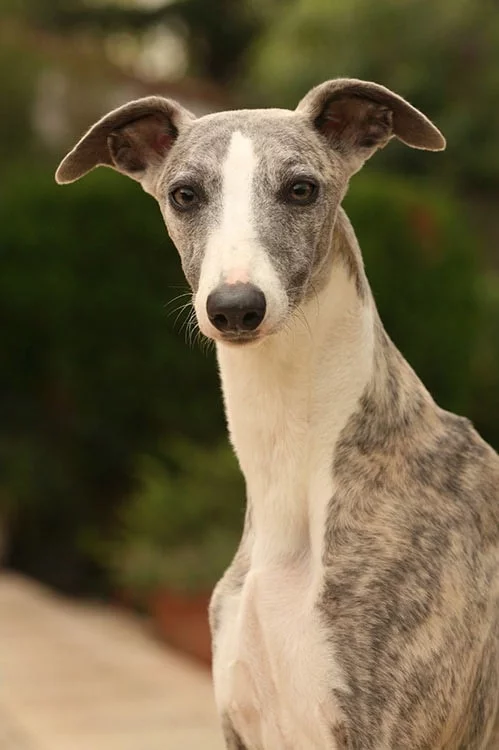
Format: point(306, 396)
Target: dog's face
point(250, 197)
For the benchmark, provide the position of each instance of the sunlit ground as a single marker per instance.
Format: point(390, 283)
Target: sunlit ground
point(82, 677)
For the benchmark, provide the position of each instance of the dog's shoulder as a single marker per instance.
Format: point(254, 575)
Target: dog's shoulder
point(466, 463)
point(399, 442)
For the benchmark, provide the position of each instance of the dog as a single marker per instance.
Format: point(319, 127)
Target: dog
point(361, 609)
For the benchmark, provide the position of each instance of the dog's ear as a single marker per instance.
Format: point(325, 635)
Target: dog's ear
point(133, 139)
point(358, 117)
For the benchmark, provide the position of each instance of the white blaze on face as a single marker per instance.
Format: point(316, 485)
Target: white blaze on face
point(233, 251)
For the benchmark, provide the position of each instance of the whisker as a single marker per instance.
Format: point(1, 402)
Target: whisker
point(179, 310)
point(207, 344)
point(316, 295)
point(186, 322)
point(300, 315)
point(191, 327)
point(179, 315)
point(198, 341)
point(179, 296)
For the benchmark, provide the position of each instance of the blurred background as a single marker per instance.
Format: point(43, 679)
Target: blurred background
point(116, 480)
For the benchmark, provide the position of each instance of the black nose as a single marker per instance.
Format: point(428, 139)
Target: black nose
point(234, 308)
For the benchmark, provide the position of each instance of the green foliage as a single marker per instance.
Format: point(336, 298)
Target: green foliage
point(184, 490)
point(181, 527)
point(442, 56)
point(422, 263)
point(94, 370)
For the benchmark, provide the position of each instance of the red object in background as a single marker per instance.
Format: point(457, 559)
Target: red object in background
point(182, 622)
point(425, 226)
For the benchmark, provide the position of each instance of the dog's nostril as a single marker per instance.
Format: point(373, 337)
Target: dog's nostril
point(220, 321)
point(251, 320)
point(236, 308)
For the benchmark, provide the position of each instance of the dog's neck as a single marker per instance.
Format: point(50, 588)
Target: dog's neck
point(288, 398)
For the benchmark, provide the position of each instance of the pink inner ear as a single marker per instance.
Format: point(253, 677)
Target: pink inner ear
point(335, 119)
point(334, 124)
point(162, 142)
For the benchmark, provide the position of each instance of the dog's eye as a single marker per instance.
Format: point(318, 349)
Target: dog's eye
point(302, 192)
point(184, 198)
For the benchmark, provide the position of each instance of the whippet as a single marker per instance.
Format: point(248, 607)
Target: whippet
point(361, 609)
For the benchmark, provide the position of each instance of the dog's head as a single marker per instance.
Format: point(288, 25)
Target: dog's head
point(250, 196)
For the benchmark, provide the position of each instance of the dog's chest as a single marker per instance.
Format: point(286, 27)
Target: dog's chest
point(274, 671)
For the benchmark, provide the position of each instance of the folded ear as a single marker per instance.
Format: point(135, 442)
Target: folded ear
point(358, 117)
point(133, 139)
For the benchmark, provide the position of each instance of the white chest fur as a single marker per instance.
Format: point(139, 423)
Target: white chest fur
point(274, 672)
point(287, 402)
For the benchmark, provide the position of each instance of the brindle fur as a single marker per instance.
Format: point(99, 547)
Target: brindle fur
point(411, 558)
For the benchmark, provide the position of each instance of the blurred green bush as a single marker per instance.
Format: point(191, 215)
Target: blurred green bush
point(423, 266)
point(93, 371)
point(181, 527)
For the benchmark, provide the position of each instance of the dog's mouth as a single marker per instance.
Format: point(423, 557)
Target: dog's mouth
point(240, 338)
